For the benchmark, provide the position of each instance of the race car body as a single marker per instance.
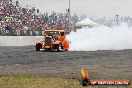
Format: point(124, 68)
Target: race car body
point(53, 39)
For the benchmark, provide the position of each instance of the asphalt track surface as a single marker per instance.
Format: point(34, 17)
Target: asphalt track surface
point(100, 64)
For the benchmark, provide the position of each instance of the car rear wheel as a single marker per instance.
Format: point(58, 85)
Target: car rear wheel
point(65, 49)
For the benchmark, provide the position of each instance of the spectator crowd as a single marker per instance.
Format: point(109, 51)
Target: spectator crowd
point(19, 21)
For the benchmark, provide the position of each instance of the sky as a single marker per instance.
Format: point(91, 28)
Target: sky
point(88, 7)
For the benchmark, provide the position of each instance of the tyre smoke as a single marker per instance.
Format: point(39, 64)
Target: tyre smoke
point(101, 38)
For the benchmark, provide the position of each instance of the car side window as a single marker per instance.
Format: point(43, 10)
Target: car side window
point(62, 33)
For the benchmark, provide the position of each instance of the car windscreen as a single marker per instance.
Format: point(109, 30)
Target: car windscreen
point(49, 33)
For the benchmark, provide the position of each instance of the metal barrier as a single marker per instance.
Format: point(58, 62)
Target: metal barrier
point(21, 33)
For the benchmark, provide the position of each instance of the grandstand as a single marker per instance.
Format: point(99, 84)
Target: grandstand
point(24, 21)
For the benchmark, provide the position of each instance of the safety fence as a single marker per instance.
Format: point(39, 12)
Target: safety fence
point(21, 33)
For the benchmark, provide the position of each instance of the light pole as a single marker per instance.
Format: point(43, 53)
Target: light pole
point(69, 10)
point(69, 13)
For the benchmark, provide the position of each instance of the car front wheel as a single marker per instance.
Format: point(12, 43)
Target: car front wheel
point(37, 47)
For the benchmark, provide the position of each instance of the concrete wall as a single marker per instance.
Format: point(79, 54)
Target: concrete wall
point(19, 40)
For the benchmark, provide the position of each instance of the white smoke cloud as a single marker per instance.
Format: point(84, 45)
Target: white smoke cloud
point(101, 38)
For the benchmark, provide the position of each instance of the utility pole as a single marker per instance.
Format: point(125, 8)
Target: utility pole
point(69, 10)
point(69, 13)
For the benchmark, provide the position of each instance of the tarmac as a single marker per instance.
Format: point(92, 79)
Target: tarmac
point(105, 64)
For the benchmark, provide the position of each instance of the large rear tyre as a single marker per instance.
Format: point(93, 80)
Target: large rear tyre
point(65, 49)
point(38, 47)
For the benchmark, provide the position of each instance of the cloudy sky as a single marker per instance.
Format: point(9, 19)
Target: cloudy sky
point(89, 7)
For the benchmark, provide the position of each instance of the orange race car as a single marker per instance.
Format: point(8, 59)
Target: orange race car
point(53, 39)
